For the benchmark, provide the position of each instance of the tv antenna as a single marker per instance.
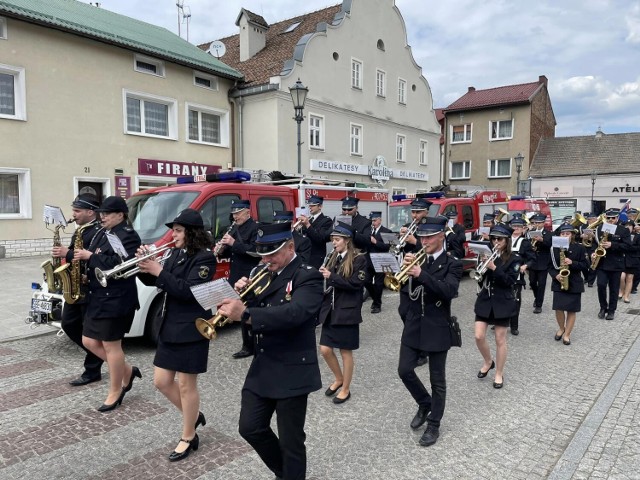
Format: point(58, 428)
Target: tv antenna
point(184, 16)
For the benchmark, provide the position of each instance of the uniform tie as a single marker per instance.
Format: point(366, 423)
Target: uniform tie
point(430, 260)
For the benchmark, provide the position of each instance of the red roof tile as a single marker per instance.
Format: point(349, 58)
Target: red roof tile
point(492, 97)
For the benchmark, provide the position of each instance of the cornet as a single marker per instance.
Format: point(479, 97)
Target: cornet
point(395, 282)
point(130, 267)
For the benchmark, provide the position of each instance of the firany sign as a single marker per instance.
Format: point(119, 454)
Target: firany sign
point(167, 168)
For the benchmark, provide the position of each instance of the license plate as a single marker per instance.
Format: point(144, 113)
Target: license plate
point(41, 306)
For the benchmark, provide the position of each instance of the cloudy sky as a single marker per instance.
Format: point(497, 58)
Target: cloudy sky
point(588, 49)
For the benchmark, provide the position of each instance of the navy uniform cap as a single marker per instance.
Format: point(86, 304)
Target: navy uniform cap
point(567, 227)
point(239, 205)
point(538, 217)
point(452, 213)
point(632, 211)
point(113, 204)
point(373, 215)
point(187, 218)
point(589, 215)
point(517, 221)
point(341, 229)
point(315, 200)
point(283, 216)
point(272, 237)
point(501, 230)
point(431, 226)
point(86, 201)
point(350, 202)
point(420, 204)
point(612, 212)
point(488, 217)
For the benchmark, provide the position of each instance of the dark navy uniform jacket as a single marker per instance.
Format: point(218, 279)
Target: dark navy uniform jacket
point(179, 273)
point(302, 246)
point(242, 262)
point(613, 261)
point(318, 233)
point(344, 303)
point(283, 320)
point(580, 264)
point(496, 291)
point(522, 246)
point(120, 296)
point(362, 232)
point(87, 235)
point(541, 250)
point(426, 319)
point(380, 246)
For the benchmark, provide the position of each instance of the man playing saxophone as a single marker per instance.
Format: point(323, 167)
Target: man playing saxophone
point(84, 213)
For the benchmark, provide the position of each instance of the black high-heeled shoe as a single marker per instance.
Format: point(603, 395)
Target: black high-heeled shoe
point(135, 372)
point(108, 407)
point(482, 374)
point(194, 443)
point(201, 420)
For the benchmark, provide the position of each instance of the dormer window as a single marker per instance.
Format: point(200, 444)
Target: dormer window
point(148, 65)
point(292, 27)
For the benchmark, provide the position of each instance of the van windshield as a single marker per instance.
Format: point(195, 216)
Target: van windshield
point(400, 215)
point(148, 213)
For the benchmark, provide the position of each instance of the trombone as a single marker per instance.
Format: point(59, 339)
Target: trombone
point(130, 267)
point(395, 282)
point(207, 328)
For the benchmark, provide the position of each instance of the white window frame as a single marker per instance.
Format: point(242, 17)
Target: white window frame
point(360, 137)
point(159, 64)
point(423, 153)
point(468, 133)
point(381, 83)
point(398, 191)
point(3, 28)
point(224, 123)
point(401, 148)
point(319, 128)
point(19, 92)
point(496, 162)
point(468, 168)
point(498, 138)
point(205, 76)
point(356, 82)
point(24, 192)
point(172, 123)
point(402, 91)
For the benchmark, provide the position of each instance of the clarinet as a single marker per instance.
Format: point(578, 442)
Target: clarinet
point(217, 249)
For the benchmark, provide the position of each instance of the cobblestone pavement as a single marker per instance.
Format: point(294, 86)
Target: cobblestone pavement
point(564, 412)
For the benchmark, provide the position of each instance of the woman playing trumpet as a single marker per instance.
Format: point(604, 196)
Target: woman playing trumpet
point(340, 314)
point(182, 351)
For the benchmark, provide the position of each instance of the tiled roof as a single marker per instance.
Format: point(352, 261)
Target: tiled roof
point(567, 156)
point(102, 25)
point(279, 46)
point(492, 97)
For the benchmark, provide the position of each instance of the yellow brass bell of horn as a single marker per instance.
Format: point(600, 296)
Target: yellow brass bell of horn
point(207, 328)
point(587, 242)
point(578, 220)
point(395, 282)
point(502, 214)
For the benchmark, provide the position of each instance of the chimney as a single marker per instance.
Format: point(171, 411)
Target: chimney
point(253, 33)
point(599, 133)
point(471, 89)
point(543, 80)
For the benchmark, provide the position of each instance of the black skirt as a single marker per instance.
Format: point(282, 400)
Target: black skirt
point(346, 337)
point(566, 301)
point(498, 322)
point(107, 329)
point(191, 357)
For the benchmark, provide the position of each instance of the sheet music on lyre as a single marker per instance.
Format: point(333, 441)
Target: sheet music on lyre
point(210, 294)
point(385, 262)
point(389, 238)
point(52, 214)
point(116, 244)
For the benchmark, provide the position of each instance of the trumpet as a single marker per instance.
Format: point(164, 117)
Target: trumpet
point(130, 267)
point(587, 242)
point(402, 241)
point(207, 328)
point(395, 282)
point(217, 249)
point(481, 269)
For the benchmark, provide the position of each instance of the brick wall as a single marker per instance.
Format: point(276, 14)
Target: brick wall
point(34, 247)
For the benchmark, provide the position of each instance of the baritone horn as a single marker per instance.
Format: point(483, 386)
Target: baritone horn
point(578, 220)
point(502, 213)
point(395, 282)
point(130, 267)
point(207, 328)
point(587, 242)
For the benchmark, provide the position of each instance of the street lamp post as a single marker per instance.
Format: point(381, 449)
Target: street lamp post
point(299, 96)
point(518, 159)
point(594, 175)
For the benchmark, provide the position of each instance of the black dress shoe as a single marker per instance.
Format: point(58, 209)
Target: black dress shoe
point(537, 309)
point(566, 342)
point(201, 420)
point(602, 313)
point(558, 337)
point(430, 436)
point(634, 291)
point(423, 359)
point(338, 400)
point(515, 331)
point(194, 443)
point(85, 379)
point(108, 407)
point(135, 372)
point(242, 353)
point(498, 385)
point(420, 417)
point(375, 309)
point(482, 374)
point(610, 316)
point(330, 391)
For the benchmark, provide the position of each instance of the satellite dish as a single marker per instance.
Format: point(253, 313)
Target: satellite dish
point(217, 49)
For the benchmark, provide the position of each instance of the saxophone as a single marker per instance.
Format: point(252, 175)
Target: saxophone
point(70, 274)
point(49, 266)
point(600, 251)
point(564, 272)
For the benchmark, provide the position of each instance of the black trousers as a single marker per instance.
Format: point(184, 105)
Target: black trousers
point(611, 280)
point(376, 288)
point(286, 456)
point(538, 283)
point(72, 318)
point(514, 322)
point(406, 370)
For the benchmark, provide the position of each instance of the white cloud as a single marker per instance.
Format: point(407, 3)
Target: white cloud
point(633, 24)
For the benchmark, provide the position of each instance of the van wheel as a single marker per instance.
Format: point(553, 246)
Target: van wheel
point(154, 321)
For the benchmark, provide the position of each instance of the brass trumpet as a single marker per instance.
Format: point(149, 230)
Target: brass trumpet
point(402, 241)
point(207, 328)
point(395, 282)
point(130, 267)
point(481, 269)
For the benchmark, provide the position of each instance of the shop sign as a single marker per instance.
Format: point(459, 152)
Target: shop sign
point(168, 168)
point(625, 189)
point(558, 191)
point(378, 171)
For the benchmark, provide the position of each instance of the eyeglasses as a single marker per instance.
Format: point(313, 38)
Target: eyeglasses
point(347, 209)
point(611, 218)
point(497, 238)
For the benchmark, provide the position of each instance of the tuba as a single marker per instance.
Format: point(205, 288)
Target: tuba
point(395, 282)
point(207, 328)
point(587, 242)
point(54, 285)
point(564, 272)
point(70, 274)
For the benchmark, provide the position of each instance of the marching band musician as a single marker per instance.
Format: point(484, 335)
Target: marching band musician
point(302, 243)
point(316, 228)
point(181, 349)
point(111, 309)
point(496, 303)
point(566, 303)
point(631, 265)
point(425, 308)
point(635, 252)
point(522, 246)
point(360, 225)
point(590, 276)
point(375, 287)
point(340, 315)
point(539, 268)
point(285, 368)
point(611, 265)
point(455, 236)
point(240, 248)
point(84, 214)
point(487, 222)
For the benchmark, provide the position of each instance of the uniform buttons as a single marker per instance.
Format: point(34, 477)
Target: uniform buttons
point(262, 350)
point(262, 304)
point(304, 359)
point(261, 335)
